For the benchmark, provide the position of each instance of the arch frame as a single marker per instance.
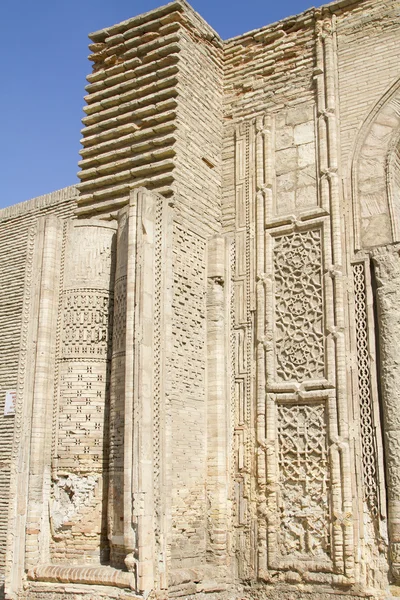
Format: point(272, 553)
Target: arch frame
point(376, 217)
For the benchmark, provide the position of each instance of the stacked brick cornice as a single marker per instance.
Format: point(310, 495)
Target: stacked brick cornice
point(129, 132)
point(131, 128)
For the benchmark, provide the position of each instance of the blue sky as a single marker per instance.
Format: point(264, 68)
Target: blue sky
point(44, 52)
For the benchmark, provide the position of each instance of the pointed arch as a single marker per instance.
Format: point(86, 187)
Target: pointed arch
point(376, 174)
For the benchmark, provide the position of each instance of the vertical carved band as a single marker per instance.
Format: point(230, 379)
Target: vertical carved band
point(137, 518)
point(44, 356)
point(244, 292)
point(300, 346)
point(217, 417)
point(329, 185)
point(15, 562)
point(369, 452)
point(117, 400)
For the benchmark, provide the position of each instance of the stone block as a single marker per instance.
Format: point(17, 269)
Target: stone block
point(284, 137)
point(306, 155)
point(304, 133)
point(285, 160)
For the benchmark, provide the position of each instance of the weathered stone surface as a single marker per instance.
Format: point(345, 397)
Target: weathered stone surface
point(207, 365)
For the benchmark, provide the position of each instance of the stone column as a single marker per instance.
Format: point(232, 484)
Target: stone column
point(217, 406)
point(27, 543)
point(137, 436)
point(387, 268)
point(138, 410)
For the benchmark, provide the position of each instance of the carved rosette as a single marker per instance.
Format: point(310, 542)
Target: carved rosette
point(299, 319)
point(304, 518)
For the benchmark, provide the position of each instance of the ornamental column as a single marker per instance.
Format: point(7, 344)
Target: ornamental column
point(387, 269)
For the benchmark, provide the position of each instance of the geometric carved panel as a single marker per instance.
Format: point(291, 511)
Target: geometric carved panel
point(299, 306)
point(304, 481)
point(119, 317)
point(86, 324)
point(83, 367)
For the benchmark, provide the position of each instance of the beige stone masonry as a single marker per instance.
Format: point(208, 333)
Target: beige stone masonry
point(386, 261)
point(15, 222)
point(204, 349)
point(137, 90)
point(218, 429)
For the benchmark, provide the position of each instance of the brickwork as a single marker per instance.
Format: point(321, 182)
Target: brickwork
point(223, 401)
point(187, 364)
point(271, 69)
point(199, 128)
point(14, 224)
point(368, 42)
point(130, 124)
point(146, 101)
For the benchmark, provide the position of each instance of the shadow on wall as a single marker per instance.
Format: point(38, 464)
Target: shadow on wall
point(376, 174)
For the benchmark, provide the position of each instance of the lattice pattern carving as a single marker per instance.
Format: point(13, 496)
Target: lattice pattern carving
point(364, 390)
point(119, 319)
point(117, 416)
point(118, 379)
point(299, 306)
point(157, 363)
point(86, 325)
point(187, 372)
point(304, 481)
point(189, 277)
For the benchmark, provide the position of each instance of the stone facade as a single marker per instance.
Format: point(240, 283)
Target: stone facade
point(202, 337)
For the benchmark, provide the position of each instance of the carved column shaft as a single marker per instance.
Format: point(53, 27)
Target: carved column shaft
point(137, 436)
point(387, 264)
point(49, 245)
point(35, 379)
point(138, 532)
point(217, 414)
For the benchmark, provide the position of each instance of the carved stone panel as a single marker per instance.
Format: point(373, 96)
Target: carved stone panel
point(243, 276)
point(365, 383)
point(299, 309)
point(304, 481)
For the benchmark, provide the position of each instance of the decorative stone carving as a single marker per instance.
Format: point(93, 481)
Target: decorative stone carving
point(80, 455)
point(198, 410)
point(299, 307)
point(367, 421)
point(376, 205)
point(303, 481)
point(387, 271)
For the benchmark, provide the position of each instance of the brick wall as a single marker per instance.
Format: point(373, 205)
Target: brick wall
point(269, 69)
point(14, 224)
point(199, 127)
point(187, 399)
